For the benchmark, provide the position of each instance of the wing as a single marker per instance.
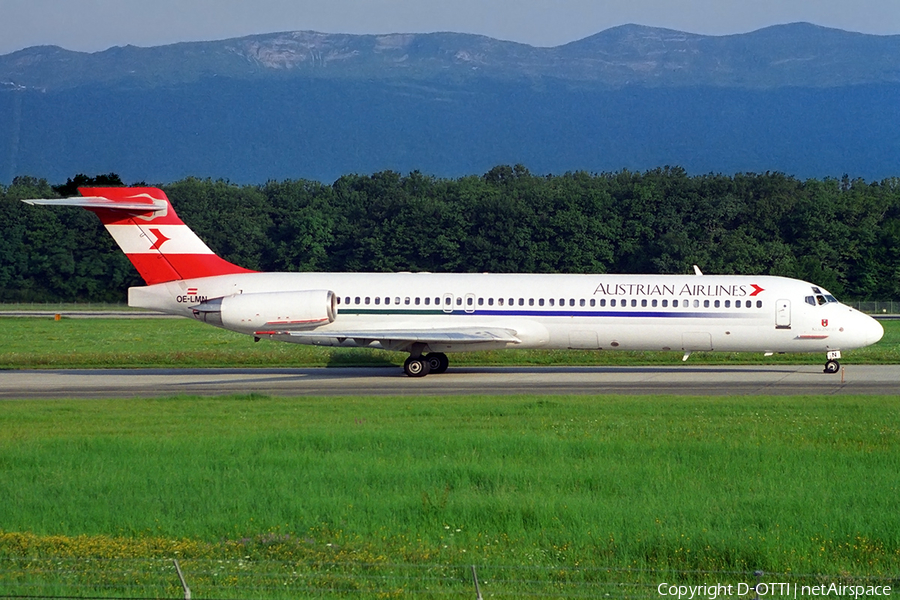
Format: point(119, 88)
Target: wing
point(394, 338)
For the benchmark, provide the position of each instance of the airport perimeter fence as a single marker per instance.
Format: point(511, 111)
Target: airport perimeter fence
point(140, 579)
point(877, 307)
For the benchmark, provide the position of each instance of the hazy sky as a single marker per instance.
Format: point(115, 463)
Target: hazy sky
point(91, 25)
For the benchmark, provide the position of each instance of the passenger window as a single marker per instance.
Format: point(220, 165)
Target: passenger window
point(633, 302)
point(427, 300)
point(490, 301)
point(377, 299)
point(737, 303)
point(759, 304)
point(653, 304)
point(581, 302)
point(521, 301)
point(665, 303)
point(706, 304)
point(541, 302)
point(602, 301)
point(552, 302)
point(728, 304)
point(717, 304)
point(696, 304)
point(356, 300)
point(500, 301)
point(397, 300)
point(470, 301)
point(593, 302)
point(417, 300)
point(512, 301)
point(481, 302)
point(644, 302)
point(571, 301)
point(612, 302)
point(674, 303)
point(531, 302)
point(367, 299)
point(458, 301)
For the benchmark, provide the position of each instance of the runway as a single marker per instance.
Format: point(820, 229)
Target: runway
point(683, 380)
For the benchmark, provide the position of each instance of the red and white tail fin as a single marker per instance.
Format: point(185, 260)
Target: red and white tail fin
point(144, 224)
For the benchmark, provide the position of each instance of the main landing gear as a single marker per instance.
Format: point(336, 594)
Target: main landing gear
point(420, 366)
point(832, 365)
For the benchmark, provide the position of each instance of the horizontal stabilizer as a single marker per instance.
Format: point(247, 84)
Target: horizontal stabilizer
point(143, 203)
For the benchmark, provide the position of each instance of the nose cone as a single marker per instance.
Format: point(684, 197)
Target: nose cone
point(874, 331)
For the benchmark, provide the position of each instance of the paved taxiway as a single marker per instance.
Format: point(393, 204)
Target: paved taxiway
point(681, 379)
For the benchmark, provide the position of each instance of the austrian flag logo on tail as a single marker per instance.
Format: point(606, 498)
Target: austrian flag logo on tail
point(160, 239)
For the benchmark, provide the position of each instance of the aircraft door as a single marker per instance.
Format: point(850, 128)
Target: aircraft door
point(448, 303)
point(783, 314)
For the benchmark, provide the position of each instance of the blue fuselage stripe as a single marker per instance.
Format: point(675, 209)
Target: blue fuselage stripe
point(564, 313)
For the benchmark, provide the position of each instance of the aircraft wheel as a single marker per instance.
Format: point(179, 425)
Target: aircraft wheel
point(832, 366)
point(437, 361)
point(416, 367)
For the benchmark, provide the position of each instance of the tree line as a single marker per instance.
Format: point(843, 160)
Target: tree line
point(842, 234)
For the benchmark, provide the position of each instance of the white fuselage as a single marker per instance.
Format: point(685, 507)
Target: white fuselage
point(606, 312)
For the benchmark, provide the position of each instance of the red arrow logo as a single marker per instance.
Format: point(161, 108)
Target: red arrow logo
point(756, 289)
point(161, 239)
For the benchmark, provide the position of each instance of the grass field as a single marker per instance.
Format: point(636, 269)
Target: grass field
point(395, 497)
point(45, 343)
point(680, 484)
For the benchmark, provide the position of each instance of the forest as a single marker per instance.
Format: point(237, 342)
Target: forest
point(843, 234)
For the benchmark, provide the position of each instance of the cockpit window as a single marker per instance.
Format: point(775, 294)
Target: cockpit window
point(820, 299)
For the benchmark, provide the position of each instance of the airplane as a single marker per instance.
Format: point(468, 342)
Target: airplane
point(430, 315)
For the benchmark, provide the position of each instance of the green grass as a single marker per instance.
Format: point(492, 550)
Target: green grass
point(74, 343)
point(349, 492)
point(724, 483)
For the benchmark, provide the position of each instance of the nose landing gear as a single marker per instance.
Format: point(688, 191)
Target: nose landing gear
point(832, 365)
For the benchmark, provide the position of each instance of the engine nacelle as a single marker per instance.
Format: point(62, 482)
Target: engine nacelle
point(269, 310)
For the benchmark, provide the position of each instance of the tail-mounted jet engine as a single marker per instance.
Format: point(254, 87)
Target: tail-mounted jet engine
point(283, 310)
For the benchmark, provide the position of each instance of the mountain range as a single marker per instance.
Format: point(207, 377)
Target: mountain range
point(802, 99)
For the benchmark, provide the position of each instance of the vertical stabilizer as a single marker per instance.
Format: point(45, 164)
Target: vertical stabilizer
point(144, 224)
